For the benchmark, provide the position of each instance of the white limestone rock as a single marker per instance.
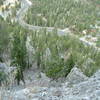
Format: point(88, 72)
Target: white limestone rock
point(76, 76)
point(86, 90)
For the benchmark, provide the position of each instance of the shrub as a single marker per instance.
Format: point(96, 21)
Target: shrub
point(64, 53)
point(19, 52)
point(4, 37)
point(3, 78)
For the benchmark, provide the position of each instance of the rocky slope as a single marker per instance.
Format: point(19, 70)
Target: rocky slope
point(75, 87)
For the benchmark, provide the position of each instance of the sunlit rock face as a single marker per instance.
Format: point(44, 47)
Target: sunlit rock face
point(76, 76)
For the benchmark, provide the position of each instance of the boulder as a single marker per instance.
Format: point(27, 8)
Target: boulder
point(76, 76)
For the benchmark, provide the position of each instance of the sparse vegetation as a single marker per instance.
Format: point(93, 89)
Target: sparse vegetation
point(55, 55)
point(64, 53)
point(77, 15)
point(19, 52)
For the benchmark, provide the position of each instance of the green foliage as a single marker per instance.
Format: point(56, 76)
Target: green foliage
point(1, 2)
point(73, 51)
point(55, 55)
point(3, 77)
point(77, 15)
point(4, 37)
point(13, 41)
point(19, 52)
point(19, 75)
point(98, 42)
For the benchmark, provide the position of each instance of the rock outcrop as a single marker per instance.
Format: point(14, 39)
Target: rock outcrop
point(83, 88)
point(86, 90)
point(76, 76)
